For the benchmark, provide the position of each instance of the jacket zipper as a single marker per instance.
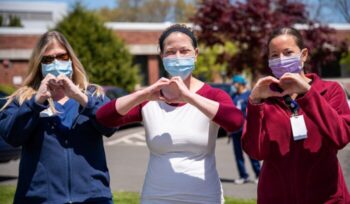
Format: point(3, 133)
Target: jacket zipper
point(68, 159)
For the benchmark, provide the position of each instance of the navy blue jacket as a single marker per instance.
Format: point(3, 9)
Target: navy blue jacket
point(63, 158)
point(241, 102)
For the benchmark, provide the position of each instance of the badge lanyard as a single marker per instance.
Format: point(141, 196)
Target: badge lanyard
point(297, 121)
point(292, 104)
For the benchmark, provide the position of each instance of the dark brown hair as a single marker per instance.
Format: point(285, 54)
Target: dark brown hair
point(288, 31)
point(177, 28)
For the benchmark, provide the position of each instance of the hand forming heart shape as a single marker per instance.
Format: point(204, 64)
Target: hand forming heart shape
point(170, 92)
point(293, 84)
point(54, 82)
point(288, 84)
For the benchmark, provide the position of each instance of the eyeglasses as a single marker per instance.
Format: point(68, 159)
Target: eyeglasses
point(48, 59)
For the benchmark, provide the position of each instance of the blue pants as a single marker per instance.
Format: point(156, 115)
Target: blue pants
point(237, 149)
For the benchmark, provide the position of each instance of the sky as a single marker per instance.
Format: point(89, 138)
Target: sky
point(327, 15)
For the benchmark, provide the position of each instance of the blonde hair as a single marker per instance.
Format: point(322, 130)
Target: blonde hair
point(34, 76)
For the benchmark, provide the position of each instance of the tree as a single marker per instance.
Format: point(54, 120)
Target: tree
point(249, 24)
point(344, 7)
point(320, 10)
point(207, 66)
point(149, 11)
point(345, 61)
point(154, 11)
point(126, 11)
point(104, 56)
point(14, 21)
point(183, 10)
point(328, 11)
point(10, 21)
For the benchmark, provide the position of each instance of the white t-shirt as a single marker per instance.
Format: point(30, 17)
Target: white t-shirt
point(182, 166)
point(181, 140)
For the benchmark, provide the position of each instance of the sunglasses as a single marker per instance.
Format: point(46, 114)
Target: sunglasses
point(48, 59)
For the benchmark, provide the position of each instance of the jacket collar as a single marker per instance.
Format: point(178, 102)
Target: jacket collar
point(316, 83)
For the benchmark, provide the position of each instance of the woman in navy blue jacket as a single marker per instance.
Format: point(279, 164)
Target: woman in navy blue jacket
point(52, 116)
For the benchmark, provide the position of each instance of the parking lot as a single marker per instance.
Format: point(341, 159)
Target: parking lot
point(127, 156)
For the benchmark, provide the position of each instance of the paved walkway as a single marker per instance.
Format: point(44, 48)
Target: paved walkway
point(127, 157)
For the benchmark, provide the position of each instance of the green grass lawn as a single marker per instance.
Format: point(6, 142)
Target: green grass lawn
point(7, 193)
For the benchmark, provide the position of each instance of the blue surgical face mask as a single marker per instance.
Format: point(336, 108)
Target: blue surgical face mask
point(280, 66)
point(179, 66)
point(233, 89)
point(57, 67)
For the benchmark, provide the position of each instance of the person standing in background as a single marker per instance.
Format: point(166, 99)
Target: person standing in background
point(240, 99)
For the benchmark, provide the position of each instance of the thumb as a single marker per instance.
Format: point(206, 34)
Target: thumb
point(46, 94)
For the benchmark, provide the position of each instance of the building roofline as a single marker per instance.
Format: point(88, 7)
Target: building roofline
point(127, 26)
point(140, 26)
point(22, 31)
point(337, 26)
point(162, 26)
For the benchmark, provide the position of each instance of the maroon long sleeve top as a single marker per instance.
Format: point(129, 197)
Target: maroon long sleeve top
point(304, 171)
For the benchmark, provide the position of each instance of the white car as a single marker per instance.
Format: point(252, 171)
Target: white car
point(347, 93)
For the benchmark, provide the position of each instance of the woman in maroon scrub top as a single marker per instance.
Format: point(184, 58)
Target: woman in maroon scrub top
point(296, 123)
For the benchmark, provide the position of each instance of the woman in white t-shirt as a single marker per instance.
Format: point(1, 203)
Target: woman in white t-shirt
point(181, 116)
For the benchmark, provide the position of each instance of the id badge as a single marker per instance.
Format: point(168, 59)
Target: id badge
point(298, 127)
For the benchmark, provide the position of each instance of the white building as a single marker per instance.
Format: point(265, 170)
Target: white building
point(34, 15)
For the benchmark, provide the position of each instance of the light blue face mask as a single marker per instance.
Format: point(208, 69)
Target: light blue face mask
point(57, 67)
point(179, 66)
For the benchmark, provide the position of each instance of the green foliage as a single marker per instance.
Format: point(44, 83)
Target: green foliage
point(8, 89)
point(7, 194)
point(149, 11)
point(250, 23)
point(104, 56)
point(345, 59)
point(208, 65)
point(345, 62)
point(239, 201)
point(126, 197)
point(14, 21)
point(184, 10)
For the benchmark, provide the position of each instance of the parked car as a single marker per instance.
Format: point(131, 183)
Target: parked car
point(347, 93)
point(223, 86)
point(7, 152)
point(114, 92)
point(345, 84)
